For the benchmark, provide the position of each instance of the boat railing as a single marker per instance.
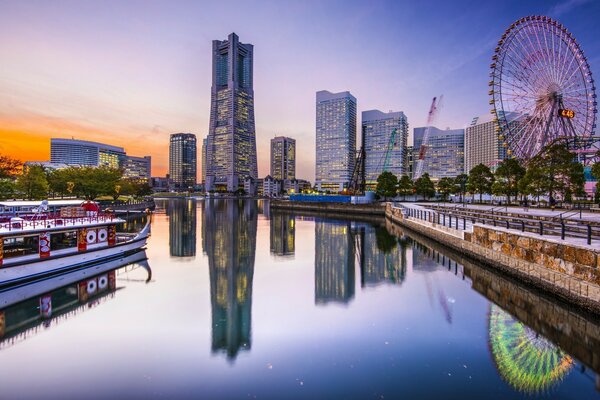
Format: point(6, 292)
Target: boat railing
point(52, 221)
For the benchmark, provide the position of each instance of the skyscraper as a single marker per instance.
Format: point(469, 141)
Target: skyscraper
point(204, 159)
point(231, 154)
point(336, 140)
point(283, 158)
point(482, 141)
point(182, 160)
point(377, 128)
point(445, 155)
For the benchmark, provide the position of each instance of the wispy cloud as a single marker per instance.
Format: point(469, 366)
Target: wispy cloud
point(563, 7)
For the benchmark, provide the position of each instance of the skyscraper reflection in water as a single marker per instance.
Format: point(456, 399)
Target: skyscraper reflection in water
point(283, 234)
point(229, 240)
point(334, 262)
point(182, 227)
point(382, 257)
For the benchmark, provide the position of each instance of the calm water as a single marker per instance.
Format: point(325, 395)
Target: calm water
point(247, 303)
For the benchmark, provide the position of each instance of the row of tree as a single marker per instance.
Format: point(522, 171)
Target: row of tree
point(553, 172)
point(35, 182)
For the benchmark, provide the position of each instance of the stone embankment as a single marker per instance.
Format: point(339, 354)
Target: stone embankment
point(331, 208)
point(569, 271)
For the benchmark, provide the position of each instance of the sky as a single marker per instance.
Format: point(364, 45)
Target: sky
point(130, 73)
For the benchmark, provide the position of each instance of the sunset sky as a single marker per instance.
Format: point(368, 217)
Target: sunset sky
point(129, 73)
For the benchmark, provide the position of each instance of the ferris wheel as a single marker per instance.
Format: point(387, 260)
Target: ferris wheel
point(541, 88)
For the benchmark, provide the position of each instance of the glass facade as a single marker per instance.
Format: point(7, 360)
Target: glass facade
point(335, 140)
point(445, 154)
point(137, 168)
point(83, 152)
point(231, 142)
point(377, 129)
point(182, 160)
point(283, 158)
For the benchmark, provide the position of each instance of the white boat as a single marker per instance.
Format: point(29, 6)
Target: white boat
point(40, 246)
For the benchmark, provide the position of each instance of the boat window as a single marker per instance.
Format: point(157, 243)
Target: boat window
point(63, 240)
point(21, 246)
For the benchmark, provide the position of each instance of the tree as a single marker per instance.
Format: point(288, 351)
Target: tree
point(9, 167)
point(424, 186)
point(7, 189)
point(33, 184)
point(558, 171)
point(405, 186)
point(461, 185)
point(508, 174)
point(445, 187)
point(386, 184)
point(531, 183)
point(480, 180)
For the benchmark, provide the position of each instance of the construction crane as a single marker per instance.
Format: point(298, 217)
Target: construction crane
point(436, 105)
point(388, 151)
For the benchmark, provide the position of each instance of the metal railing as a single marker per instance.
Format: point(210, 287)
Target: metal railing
point(55, 220)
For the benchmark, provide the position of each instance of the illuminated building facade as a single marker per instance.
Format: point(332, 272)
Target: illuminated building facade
point(182, 160)
point(204, 158)
point(229, 241)
point(137, 168)
point(377, 128)
point(283, 158)
point(335, 140)
point(334, 262)
point(231, 154)
point(445, 155)
point(85, 153)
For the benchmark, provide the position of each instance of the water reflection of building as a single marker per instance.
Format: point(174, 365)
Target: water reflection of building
point(383, 258)
point(334, 262)
point(229, 239)
point(527, 361)
point(283, 234)
point(182, 227)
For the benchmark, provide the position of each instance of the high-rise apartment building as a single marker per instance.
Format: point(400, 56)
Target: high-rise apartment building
point(232, 137)
point(445, 153)
point(482, 141)
point(85, 153)
point(283, 158)
point(377, 129)
point(182, 160)
point(335, 140)
point(204, 159)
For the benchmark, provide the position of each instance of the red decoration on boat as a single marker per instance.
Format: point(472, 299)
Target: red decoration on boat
point(82, 239)
point(44, 245)
point(90, 208)
point(112, 235)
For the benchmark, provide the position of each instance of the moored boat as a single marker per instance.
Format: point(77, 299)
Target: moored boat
point(41, 245)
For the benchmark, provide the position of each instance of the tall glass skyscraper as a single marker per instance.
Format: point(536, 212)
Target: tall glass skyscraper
point(336, 140)
point(182, 160)
point(204, 159)
point(377, 128)
point(445, 155)
point(283, 158)
point(232, 137)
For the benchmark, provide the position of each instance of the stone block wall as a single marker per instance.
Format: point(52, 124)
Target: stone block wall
point(581, 262)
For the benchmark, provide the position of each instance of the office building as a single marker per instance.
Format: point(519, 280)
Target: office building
point(204, 159)
point(377, 130)
point(137, 168)
point(85, 153)
point(182, 160)
point(283, 158)
point(445, 152)
point(335, 140)
point(231, 154)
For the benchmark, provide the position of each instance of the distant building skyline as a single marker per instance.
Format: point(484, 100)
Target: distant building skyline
point(377, 128)
point(182, 160)
point(231, 154)
point(283, 158)
point(335, 140)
